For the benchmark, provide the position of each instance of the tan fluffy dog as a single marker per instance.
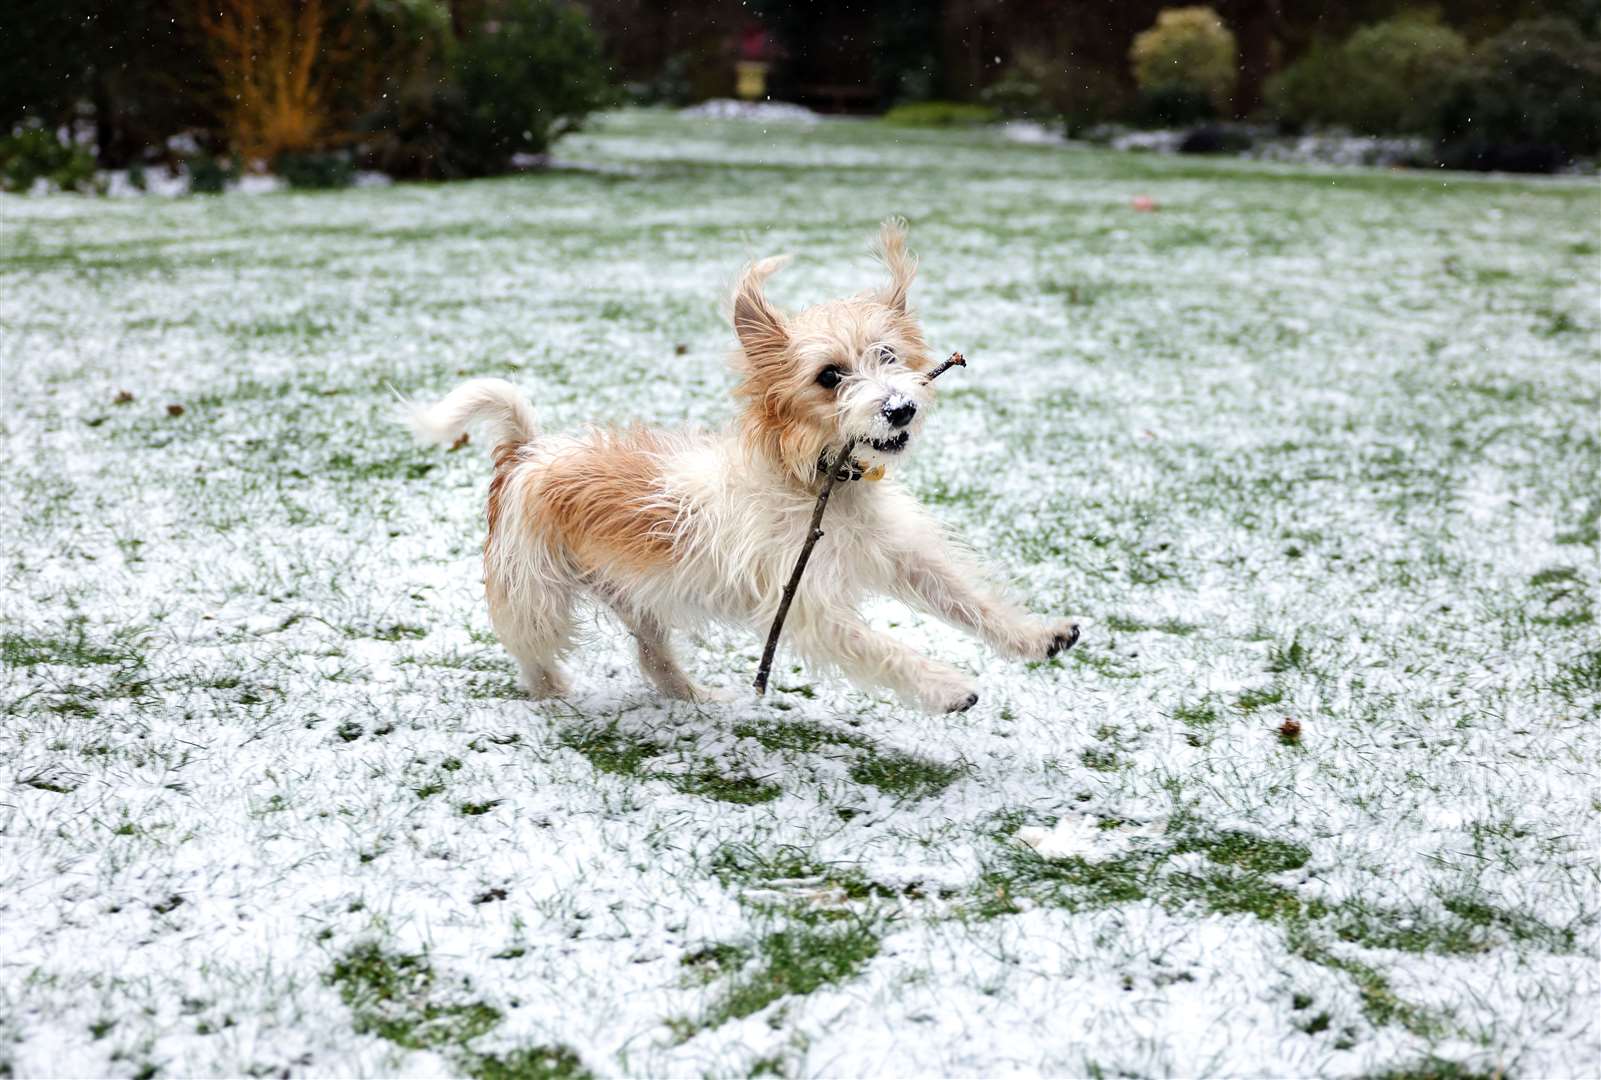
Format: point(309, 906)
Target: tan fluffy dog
point(677, 528)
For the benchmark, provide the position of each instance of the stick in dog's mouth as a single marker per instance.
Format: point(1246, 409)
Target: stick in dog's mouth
point(832, 475)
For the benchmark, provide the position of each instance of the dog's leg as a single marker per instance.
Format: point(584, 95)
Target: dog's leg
point(868, 658)
point(946, 586)
point(657, 659)
point(536, 631)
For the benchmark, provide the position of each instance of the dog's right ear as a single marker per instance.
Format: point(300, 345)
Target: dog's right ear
point(757, 323)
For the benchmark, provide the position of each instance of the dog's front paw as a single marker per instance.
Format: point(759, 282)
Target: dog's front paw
point(1047, 638)
point(946, 692)
point(1063, 636)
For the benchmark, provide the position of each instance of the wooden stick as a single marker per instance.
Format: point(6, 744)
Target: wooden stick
point(956, 359)
point(840, 465)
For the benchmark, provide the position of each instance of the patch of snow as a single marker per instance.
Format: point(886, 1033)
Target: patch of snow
point(1084, 836)
point(1032, 133)
point(759, 111)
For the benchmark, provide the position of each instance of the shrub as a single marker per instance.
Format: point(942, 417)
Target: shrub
point(941, 114)
point(1017, 94)
point(528, 74)
point(1043, 85)
point(1189, 50)
point(1213, 139)
point(277, 63)
point(1306, 94)
point(1173, 106)
point(1527, 102)
point(210, 175)
point(315, 171)
point(36, 154)
point(1388, 78)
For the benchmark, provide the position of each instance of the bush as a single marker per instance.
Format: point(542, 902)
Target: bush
point(210, 175)
point(1306, 94)
point(1042, 85)
point(1384, 79)
point(1527, 102)
point(1214, 139)
point(941, 114)
point(315, 171)
point(36, 154)
point(1017, 95)
point(528, 74)
point(1189, 50)
point(277, 66)
point(1173, 106)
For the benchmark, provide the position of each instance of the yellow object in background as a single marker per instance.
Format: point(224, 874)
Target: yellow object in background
point(750, 79)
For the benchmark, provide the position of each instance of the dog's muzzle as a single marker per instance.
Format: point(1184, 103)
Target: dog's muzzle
point(892, 445)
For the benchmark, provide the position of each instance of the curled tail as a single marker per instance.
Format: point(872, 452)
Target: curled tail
point(508, 416)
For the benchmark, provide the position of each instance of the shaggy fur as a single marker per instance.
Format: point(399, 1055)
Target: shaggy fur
point(669, 529)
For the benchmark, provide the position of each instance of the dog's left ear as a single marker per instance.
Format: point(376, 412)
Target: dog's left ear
point(890, 250)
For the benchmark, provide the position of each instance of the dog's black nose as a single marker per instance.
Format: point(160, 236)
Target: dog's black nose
point(900, 415)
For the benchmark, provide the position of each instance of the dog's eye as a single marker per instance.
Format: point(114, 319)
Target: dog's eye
point(886, 355)
point(829, 377)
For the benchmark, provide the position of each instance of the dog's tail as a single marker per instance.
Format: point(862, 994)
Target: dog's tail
point(496, 403)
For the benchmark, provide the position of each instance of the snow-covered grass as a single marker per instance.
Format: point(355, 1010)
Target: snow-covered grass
point(1309, 444)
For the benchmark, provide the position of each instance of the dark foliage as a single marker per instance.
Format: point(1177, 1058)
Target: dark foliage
point(36, 154)
point(529, 72)
point(1215, 139)
point(1530, 101)
point(1173, 106)
point(315, 171)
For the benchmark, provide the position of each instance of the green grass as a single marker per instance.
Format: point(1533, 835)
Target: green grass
point(611, 750)
point(808, 951)
point(399, 998)
point(393, 996)
point(905, 776)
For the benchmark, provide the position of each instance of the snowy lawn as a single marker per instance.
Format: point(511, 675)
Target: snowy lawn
point(1319, 445)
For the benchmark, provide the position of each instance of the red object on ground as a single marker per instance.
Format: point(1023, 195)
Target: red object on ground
point(1144, 202)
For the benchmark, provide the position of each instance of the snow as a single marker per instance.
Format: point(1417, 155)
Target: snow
point(1083, 836)
point(1350, 411)
point(760, 111)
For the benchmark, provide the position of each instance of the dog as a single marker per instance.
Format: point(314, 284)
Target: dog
point(673, 529)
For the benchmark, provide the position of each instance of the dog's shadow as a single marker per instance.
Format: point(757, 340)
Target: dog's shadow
point(743, 750)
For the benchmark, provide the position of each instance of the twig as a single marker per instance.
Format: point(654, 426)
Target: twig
point(840, 466)
point(956, 359)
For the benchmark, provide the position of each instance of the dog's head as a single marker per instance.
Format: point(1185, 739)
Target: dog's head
point(843, 369)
